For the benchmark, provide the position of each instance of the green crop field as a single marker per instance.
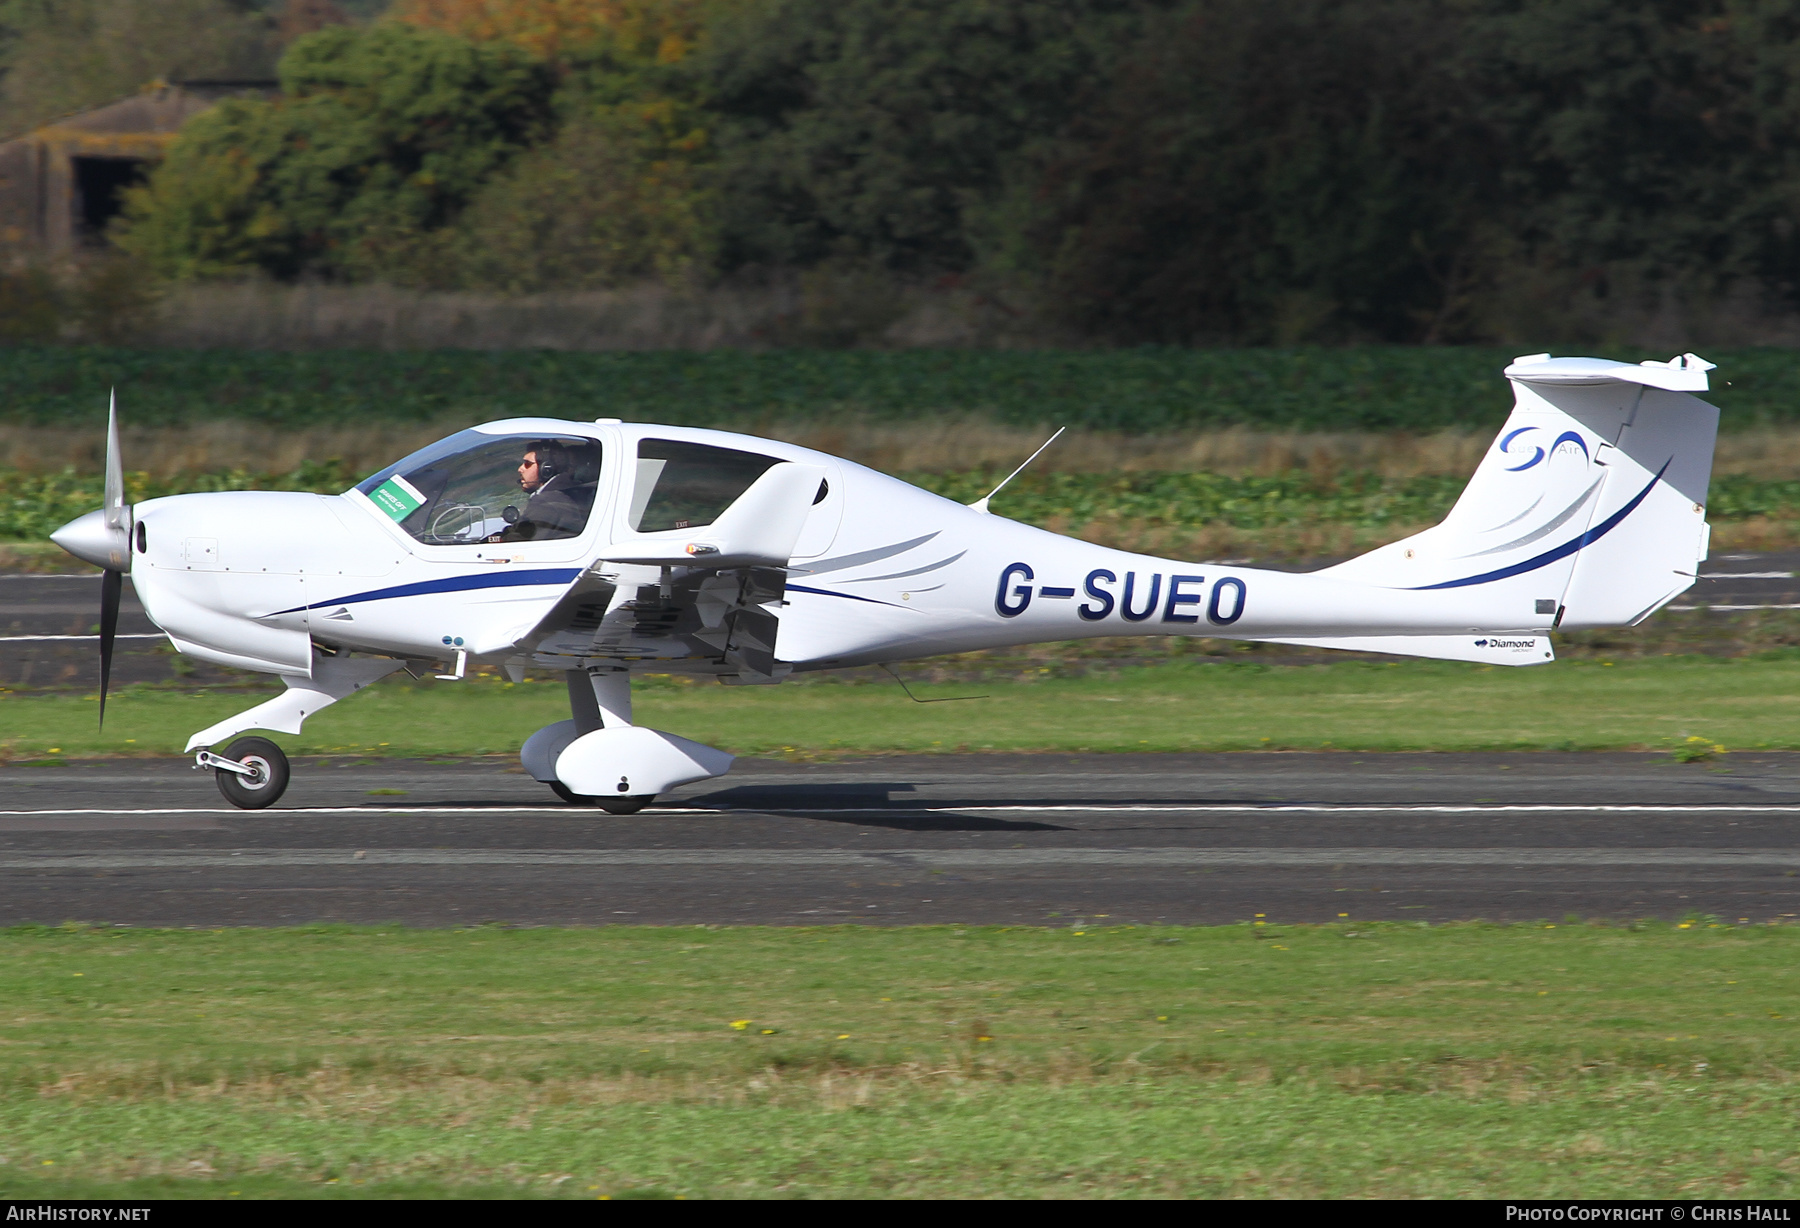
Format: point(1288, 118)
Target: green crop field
point(1185, 705)
point(1356, 388)
point(33, 505)
point(1552, 1060)
point(1372, 407)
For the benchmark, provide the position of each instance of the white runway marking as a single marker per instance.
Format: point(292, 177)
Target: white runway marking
point(925, 859)
point(1283, 808)
point(576, 811)
point(135, 635)
point(1734, 607)
point(1095, 808)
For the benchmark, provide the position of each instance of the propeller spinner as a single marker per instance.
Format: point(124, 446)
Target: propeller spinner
point(103, 538)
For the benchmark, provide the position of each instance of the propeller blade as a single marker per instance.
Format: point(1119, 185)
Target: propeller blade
point(111, 583)
point(115, 469)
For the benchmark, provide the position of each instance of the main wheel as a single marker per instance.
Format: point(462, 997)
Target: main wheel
point(262, 789)
point(624, 805)
point(612, 805)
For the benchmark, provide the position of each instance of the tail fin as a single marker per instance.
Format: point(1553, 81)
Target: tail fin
point(1589, 509)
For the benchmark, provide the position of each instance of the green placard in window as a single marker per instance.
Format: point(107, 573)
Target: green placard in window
point(398, 497)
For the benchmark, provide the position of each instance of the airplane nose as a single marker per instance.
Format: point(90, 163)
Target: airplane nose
point(92, 540)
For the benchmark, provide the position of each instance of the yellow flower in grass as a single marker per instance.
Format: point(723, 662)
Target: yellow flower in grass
point(740, 1024)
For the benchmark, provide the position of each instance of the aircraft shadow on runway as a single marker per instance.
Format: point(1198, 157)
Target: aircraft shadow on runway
point(873, 798)
point(869, 804)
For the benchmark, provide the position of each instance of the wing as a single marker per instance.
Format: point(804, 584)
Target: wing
point(723, 621)
point(713, 601)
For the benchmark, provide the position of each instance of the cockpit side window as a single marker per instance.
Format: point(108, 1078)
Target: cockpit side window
point(474, 487)
point(686, 485)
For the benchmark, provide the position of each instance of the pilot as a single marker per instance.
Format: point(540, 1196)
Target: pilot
point(553, 507)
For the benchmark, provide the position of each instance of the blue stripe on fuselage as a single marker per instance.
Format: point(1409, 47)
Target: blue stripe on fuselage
point(450, 584)
point(825, 592)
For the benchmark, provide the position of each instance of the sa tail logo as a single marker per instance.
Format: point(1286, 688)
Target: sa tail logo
point(1538, 453)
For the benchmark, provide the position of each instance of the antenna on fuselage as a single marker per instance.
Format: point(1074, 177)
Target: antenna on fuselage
point(981, 504)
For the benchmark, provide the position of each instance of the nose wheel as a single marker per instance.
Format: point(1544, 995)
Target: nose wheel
point(629, 804)
point(252, 772)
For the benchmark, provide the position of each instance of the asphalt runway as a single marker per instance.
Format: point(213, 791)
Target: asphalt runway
point(1002, 839)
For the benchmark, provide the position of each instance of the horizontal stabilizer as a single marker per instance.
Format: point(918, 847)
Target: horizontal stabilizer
point(1683, 373)
point(1487, 649)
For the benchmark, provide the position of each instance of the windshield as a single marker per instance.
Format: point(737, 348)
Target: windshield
point(474, 487)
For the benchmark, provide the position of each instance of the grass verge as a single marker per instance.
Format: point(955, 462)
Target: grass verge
point(1549, 1061)
point(1184, 705)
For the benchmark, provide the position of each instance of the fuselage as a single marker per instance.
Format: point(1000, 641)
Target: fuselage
point(881, 571)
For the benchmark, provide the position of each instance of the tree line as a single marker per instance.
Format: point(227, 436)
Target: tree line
point(1130, 171)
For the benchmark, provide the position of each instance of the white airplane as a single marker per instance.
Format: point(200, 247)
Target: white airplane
point(603, 547)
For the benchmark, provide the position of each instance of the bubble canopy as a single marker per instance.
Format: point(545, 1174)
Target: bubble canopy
point(478, 487)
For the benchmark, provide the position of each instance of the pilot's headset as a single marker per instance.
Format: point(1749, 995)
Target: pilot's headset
point(553, 459)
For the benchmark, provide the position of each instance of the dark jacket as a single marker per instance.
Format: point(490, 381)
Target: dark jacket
point(558, 508)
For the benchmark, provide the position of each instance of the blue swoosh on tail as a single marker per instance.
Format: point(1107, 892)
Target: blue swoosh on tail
point(1560, 552)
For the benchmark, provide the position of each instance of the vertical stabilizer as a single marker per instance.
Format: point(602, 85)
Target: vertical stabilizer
point(1589, 508)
